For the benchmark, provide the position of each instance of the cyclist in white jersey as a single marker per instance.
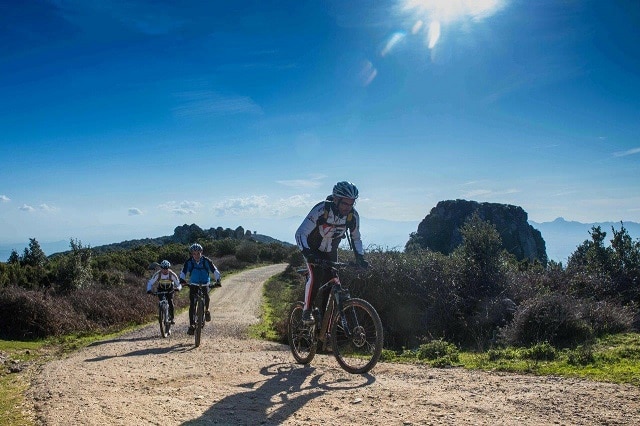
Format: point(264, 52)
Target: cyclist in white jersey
point(165, 279)
point(319, 235)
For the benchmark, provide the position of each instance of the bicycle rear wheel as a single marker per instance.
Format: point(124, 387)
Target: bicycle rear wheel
point(163, 319)
point(356, 336)
point(199, 320)
point(301, 337)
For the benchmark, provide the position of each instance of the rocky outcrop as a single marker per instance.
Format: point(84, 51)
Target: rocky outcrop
point(440, 229)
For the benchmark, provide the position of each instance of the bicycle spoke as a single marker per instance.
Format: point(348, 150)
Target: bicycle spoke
point(301, 337)
point(357, 337)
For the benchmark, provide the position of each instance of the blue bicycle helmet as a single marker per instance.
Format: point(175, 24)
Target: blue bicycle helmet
point(195, 247)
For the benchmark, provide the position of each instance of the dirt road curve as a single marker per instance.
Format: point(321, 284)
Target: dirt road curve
point(142, 379)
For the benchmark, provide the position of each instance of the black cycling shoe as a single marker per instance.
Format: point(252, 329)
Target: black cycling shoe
point(207, 316)
point(191, 331)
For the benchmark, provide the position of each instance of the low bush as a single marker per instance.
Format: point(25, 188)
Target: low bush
point(564, 321)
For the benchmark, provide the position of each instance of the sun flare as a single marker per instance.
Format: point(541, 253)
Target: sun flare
point(439, 13)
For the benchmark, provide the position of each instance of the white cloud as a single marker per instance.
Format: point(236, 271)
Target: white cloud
point(487, 193)
point(261, 206)
point(181, 208)
point(4, 198)
point(133, 211)
point(243, 206)
point(311, 183)
point(628, 152)
point(42, 208)
point(476, 193)
point(47, 208)
point(207, 103)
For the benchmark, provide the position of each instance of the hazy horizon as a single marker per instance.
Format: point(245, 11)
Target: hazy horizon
point(376, 234)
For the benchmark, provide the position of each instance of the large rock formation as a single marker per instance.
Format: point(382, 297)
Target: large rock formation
point(440, 229)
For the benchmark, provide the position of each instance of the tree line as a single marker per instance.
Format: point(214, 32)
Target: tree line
point(476, 297)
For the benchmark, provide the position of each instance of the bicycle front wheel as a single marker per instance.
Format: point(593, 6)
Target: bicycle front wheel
point(163, 318)
point(199, 320)
point(356, 336)
point(301, 337)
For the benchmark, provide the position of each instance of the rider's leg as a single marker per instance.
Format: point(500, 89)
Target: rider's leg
point(170, 300)
point(192, 304)
point(207, 314)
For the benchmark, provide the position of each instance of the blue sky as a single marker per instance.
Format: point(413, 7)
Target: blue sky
point(125, 119)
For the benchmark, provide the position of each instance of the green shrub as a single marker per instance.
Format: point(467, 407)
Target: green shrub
point(247, 251)
point(437, 349)
point(388, 355)
point(582, 355)
point(553, 318)
point(540, 352)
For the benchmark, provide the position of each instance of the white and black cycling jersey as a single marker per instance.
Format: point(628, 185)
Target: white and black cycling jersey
point(323, 228)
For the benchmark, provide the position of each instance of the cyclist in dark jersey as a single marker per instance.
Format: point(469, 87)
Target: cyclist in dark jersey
point(319, 235)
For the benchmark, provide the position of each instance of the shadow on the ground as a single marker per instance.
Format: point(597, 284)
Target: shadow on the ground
point(276, 398)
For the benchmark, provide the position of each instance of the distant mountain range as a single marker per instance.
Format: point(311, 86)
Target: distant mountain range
point(561, 237)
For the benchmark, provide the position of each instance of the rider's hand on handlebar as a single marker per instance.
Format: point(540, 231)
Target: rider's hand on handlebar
point(183, 281)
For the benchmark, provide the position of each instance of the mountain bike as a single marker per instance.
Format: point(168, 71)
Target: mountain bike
point(198, 312)
point(349, 327)
point(163, 312)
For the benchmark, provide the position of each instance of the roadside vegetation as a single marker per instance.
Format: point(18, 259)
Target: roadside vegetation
point(50, 306)
point(480, 308)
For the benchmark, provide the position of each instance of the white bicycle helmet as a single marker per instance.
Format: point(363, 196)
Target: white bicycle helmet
point(165, 264)
point(195, 247)
point(345, 189)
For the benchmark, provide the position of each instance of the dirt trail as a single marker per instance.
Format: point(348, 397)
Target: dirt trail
point(141, 379)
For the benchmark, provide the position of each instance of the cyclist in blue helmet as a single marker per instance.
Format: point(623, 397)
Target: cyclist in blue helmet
point(198, 268)
point(320, 233)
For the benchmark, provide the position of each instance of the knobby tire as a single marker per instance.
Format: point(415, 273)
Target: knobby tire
point(357, 345)
point(163, 319)
point(199, 320)
point(302, 340)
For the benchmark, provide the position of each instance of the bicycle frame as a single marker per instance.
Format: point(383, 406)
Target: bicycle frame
point(350, 328)
point(198, 313)
point(163, 308)
point(336, 296)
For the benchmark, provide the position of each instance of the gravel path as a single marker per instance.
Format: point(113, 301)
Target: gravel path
point(142, 379)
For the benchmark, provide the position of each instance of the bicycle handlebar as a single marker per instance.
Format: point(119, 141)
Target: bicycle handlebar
point(155, 293)
point(330, 264)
